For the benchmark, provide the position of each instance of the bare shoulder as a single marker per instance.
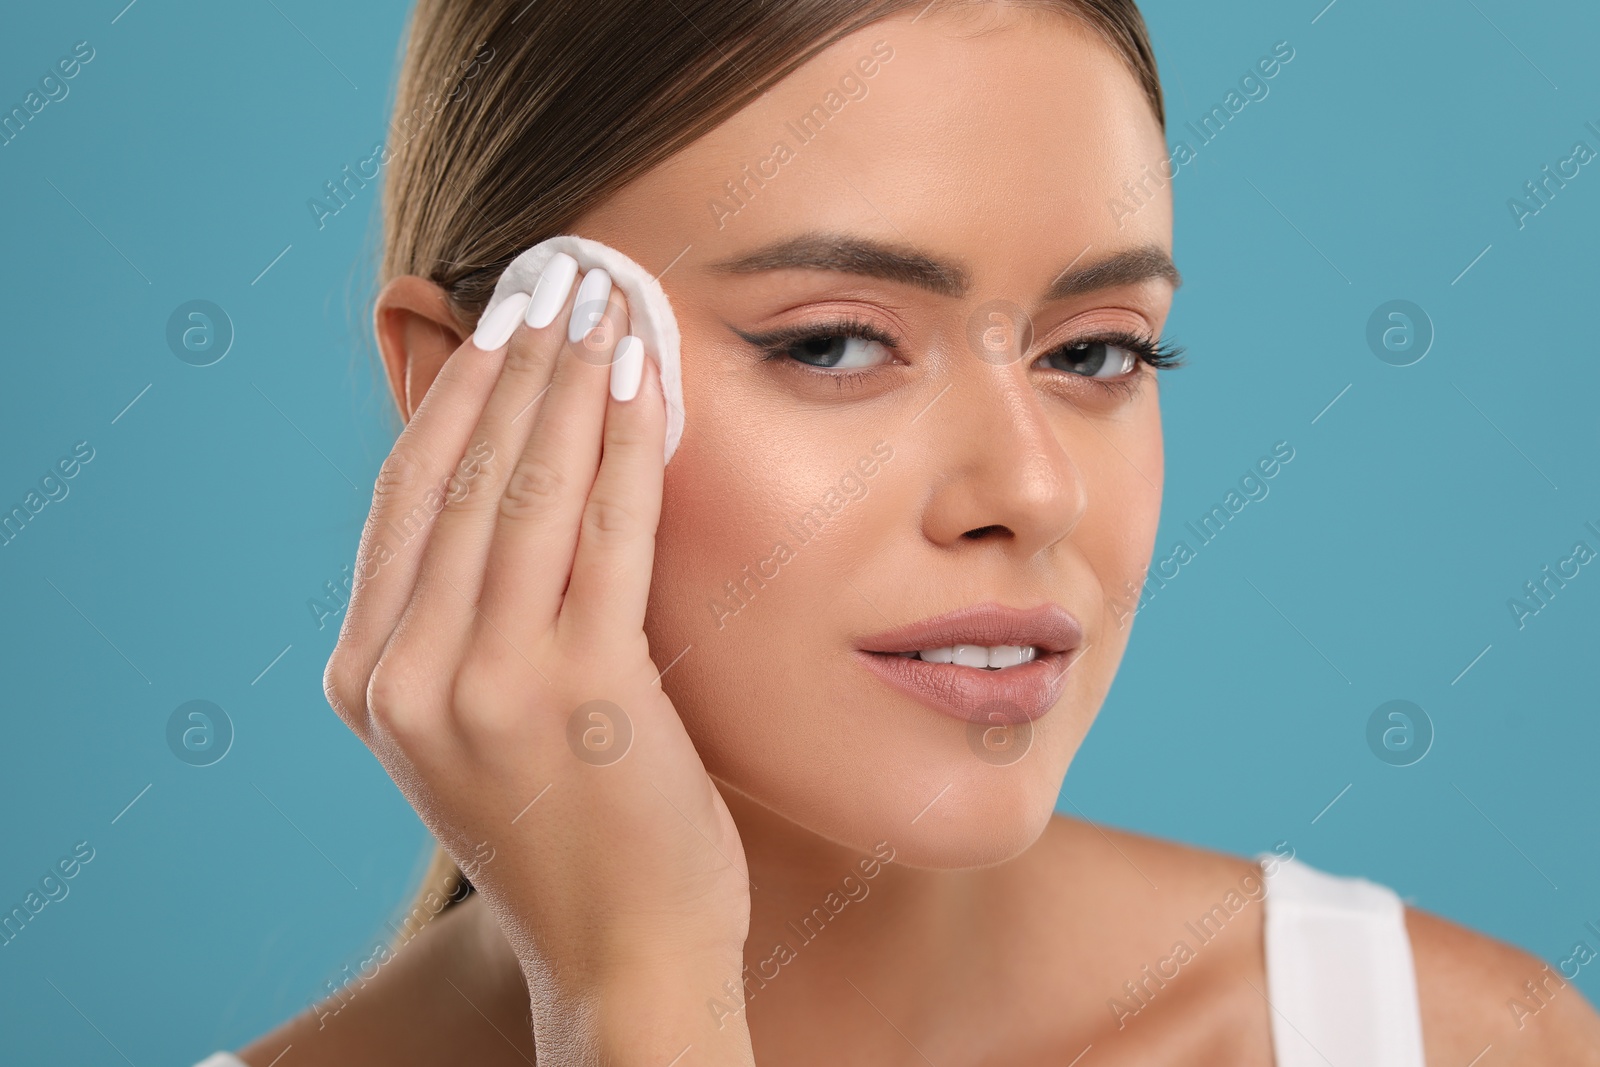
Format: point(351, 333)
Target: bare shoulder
point(1482, 1001)
point(450, 991)
point(1480, 996)
point(1167, 944)
point(1168, 877)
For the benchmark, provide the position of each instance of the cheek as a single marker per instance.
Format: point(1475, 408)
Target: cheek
point(718, 511)
point(1132, 512)
point(758, 505)
point(762, 521)
point(729, 573)
point(1117, 534)
point(717, 530)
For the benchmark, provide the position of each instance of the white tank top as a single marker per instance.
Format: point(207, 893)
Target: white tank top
point(1340, 979)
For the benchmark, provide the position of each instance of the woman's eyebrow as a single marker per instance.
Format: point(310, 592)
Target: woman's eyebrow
point(875, 259)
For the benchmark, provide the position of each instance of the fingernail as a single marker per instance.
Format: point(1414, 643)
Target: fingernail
point(590, 305)
point(627, 368)
point(497, 326)
point(555, 282)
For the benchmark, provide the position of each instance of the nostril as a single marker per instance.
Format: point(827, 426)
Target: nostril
point(981, 531)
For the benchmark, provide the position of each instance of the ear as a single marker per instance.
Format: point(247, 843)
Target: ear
point(417, 331)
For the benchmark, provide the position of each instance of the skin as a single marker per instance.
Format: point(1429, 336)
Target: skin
point(1011, 480)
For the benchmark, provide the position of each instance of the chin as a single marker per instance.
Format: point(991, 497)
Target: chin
point(978, 830)
point(921, 788)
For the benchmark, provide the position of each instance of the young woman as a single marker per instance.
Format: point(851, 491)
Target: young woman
point(753, 756)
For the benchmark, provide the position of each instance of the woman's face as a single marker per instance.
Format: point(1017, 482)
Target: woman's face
point(975, 458)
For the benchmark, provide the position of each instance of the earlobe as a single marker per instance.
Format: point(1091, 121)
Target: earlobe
point(417, 330)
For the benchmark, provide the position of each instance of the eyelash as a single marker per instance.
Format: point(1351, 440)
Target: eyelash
point(1161, 355)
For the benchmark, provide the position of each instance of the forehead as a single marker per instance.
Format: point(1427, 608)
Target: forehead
point(992, 132)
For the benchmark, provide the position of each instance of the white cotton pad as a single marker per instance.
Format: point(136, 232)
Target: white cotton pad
point(649, 312)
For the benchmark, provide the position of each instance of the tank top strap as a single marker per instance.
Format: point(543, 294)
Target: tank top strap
point(1340, 976)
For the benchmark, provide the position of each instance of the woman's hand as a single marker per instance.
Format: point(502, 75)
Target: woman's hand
point(494, 659)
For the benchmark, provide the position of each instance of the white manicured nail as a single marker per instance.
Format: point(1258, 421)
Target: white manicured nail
point(500, 322)
point(627, 368)
point(590, 306)
point(555, 282)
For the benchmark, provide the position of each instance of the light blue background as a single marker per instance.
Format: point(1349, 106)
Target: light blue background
point(1379, 566)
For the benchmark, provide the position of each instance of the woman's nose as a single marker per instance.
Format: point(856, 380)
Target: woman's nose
point(1009, 457)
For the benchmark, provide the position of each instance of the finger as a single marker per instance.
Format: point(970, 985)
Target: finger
point(426, 465)
point(451, 572)
point(616, 550)
point(537, 530)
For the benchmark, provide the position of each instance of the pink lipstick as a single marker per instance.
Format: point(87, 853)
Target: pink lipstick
point(1004, 665)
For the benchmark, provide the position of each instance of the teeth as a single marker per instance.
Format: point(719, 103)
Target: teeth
point(992, 657)
point(970, 656)
point(1011, 655)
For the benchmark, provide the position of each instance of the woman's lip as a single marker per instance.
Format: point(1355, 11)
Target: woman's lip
point(1049, 627)
point(972, 694)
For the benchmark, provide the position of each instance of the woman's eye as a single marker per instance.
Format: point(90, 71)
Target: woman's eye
point(1096, 359)
point(839, 351)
